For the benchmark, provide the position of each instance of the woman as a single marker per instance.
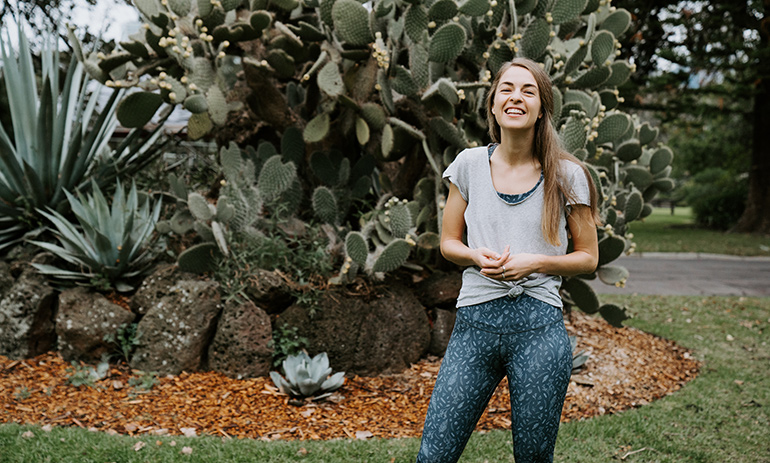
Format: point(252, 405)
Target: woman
point(516, 200)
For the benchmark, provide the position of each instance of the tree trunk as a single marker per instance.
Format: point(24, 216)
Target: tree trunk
point(756, 216)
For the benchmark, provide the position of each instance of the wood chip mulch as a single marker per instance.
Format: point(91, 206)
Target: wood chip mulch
point(627, 368)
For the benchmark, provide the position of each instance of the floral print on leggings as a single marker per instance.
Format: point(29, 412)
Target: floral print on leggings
point(520, 337)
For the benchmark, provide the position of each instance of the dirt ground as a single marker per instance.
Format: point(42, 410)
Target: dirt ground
point(627, 368)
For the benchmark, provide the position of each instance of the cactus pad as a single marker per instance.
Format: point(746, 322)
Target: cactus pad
point(612, 127)
point(447, 43)
point(356, 248)
point(362, 131)
point(661, 159)
point(613, 314)
point(474, 7)
point(602, 47)
point(200, 258)
point(442, 10)
point(581, 294)
point(416, 21)
point(638, 176)
point(573, 135)
point(647, 134)
point(136, 109)
point(198, 125)
point(374, 115)
point(617, 22)
point(564, 11)
point(611, 274)
point(400, 220)
point(330, 80)
point(180, 7)
point(393, 256)
point(351, 22)
point(317, 128)
point(621, 71)
point(610, 248)
point(629, 150)
point(199, 207)
point(536, 38)
point(325, 205)
point(196, 104)
point(403, 82)
point(276, 177)
point(633, 206)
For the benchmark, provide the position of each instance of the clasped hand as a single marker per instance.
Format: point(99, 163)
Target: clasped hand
point(505, 266)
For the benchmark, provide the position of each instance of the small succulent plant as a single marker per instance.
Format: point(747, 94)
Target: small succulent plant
point(306, 377)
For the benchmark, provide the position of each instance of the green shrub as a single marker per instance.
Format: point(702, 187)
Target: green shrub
point(717, 197)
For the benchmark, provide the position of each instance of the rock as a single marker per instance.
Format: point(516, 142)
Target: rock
point(174, 334)
point(440, 289)
point(240, 346)
point(441, 330)
point(382, 335)
point(156, 286)
point(268, 290)
point(83, 320)
point(27, 310)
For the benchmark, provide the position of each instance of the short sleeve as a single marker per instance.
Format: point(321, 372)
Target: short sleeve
point(458, 174)
point(578, 183)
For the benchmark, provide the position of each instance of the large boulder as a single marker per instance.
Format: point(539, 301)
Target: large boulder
point(441, 330)
point(240, 348)
point(440, 289)
point(83, 320)
point(382, 334)
point(27, 310)
point(174, 334)
point(269, 290)
point(155, 287)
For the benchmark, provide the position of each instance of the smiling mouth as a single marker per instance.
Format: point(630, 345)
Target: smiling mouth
point(514, 112)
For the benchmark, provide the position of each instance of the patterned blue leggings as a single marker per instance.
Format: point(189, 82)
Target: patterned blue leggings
point(520, 337)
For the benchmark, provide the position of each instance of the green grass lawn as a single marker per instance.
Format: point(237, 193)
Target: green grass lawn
point(721, 416)
point(663, 232)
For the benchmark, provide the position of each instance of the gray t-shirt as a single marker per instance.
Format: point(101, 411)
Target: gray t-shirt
point(493, 223)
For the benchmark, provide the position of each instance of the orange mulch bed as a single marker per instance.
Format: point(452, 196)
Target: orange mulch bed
point(627, 368)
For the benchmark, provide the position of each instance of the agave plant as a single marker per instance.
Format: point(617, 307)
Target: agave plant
point(306, 377)
point(53, 148)
point(114, 244)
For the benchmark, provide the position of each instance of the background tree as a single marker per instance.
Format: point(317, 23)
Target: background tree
point(705, 59)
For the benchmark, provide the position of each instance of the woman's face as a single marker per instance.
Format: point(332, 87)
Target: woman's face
point(516, 105)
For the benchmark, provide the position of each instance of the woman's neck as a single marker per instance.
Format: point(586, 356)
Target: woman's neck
point(516, 148)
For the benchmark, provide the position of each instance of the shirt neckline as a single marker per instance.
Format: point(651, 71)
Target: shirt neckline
point(511, 199)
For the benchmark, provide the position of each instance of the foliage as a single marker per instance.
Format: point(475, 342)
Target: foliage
point(114, 244)
point(378, 101)
point(717, 197)
point(711, 58)
point(579, 358)
point(60, 141)
point(124, 340)
point(87, 375)
point(144, 381)
point(285, 343)
point(306, 377)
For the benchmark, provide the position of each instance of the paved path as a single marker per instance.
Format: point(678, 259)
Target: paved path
point(692, 274)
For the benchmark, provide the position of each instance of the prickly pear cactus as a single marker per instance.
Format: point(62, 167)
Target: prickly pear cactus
point(402, 86)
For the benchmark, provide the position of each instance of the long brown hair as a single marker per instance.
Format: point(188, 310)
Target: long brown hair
point(546, 149)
